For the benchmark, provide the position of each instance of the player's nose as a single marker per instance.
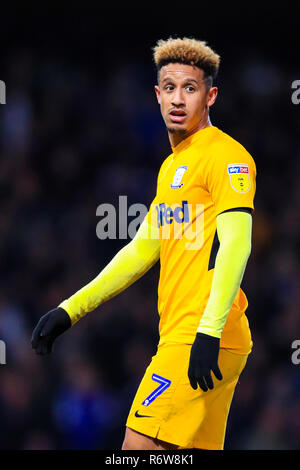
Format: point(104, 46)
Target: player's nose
point(177, 97)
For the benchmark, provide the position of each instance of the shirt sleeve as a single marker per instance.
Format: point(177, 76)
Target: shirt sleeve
point(231, 177)
point(152, 215)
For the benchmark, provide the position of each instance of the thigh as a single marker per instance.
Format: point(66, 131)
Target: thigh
point(136, 441)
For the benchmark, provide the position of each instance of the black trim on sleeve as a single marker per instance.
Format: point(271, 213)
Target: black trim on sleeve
point(214, 251)
point(216, 243)
point(239, 209)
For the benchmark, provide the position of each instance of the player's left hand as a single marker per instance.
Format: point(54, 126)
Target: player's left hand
point(203, 360)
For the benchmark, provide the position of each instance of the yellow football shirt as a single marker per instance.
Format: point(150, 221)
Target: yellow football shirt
point(207, 173)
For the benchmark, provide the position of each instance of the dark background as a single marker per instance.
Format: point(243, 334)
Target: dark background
point(81, 126)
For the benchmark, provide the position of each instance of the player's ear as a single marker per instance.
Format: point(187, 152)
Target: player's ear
point(157, 91)
point(212, 95)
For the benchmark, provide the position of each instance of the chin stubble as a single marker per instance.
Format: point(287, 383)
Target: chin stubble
point(172, 130)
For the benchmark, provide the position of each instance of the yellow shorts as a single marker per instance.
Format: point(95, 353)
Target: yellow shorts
point(168, 408)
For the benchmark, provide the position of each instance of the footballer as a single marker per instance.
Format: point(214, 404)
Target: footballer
point(199, 227)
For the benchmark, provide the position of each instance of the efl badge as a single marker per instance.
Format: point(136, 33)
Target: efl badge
point(176, 183)
point(239, 177)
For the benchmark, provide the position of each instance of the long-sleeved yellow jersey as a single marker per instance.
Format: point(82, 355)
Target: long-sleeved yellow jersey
point(208, 173)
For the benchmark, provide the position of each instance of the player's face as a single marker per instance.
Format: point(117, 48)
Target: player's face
point(184, 98)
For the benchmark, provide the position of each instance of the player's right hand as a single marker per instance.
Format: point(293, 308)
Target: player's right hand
point(49, 327)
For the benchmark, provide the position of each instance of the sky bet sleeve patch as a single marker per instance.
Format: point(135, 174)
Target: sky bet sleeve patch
point(239, 177)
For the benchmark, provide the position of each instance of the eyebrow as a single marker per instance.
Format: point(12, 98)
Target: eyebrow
point(185, 80)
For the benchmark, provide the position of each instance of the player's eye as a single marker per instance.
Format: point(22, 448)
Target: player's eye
point(190, 88)
point(169, 87)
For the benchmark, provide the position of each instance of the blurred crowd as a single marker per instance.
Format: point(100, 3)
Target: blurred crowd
point(72, 139)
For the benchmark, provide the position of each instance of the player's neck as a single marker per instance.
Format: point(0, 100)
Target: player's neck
point(176, 137)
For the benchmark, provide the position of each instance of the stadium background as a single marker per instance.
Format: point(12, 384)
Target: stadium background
point(81, 126)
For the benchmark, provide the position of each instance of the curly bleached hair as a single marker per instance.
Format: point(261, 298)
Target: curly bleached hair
point(187, 51)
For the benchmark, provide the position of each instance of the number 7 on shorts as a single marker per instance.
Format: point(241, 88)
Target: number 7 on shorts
point(163, 385)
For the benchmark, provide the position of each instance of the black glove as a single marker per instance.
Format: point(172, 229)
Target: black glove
point(203, 360)
point(49, 327)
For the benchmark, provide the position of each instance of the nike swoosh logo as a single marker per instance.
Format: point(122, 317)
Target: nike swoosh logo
point(142, 416)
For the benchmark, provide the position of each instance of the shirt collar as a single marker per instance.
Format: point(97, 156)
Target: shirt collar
point(192, 138)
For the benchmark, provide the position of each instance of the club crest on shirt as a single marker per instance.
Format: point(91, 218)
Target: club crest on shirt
point(179, 172)
point(239, 177)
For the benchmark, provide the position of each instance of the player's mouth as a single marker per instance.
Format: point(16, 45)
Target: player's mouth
point(177, 115)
